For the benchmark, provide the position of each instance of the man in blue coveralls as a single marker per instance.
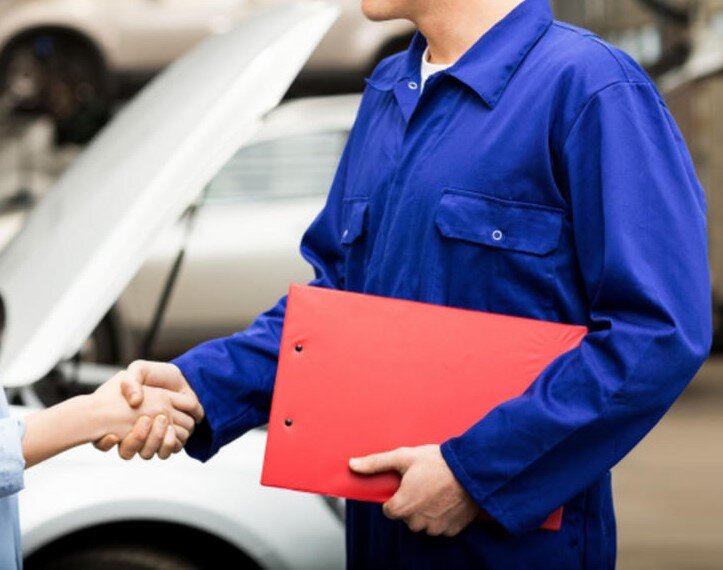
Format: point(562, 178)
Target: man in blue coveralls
point(510, 163)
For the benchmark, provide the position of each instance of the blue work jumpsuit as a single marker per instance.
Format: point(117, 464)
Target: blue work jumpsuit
point(541, 176)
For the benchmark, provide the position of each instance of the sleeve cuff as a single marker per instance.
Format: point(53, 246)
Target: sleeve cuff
point(484, 499)
point(12, 460)
point(218, 426)
point(201, 445)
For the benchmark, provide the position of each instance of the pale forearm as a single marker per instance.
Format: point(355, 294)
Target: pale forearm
point(59, 428)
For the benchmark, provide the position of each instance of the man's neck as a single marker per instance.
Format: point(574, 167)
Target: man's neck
point(451, 27)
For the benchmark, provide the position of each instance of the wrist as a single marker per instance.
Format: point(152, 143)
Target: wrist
point(90, 418)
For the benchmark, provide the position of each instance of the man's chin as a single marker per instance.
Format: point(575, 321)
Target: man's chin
point(378, 10)
point(373, 17)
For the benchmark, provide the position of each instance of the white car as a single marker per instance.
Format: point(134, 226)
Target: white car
point(74, 256)
point(64, 55)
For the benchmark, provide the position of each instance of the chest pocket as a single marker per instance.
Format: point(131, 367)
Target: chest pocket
point(497, 223)
point(504, 249)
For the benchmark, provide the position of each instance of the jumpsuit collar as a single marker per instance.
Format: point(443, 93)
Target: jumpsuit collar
point(490, 63)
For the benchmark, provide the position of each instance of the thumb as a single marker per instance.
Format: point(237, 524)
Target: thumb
point(397, 460)
point(106, 443)
point(132, 382)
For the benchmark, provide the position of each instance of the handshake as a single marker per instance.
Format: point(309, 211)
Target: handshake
point(148, 409)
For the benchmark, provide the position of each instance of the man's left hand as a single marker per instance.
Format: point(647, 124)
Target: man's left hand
point(429, 498)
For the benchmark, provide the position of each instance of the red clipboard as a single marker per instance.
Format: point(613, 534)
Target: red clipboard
point(361, 374)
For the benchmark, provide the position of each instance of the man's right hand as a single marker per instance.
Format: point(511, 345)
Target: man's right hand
point(160, 375)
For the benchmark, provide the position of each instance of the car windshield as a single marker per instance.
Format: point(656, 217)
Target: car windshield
point(288, 167)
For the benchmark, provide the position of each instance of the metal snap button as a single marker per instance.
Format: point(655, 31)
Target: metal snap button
point(288, 422)
point(497, 235)
point(299, 348)
point(412, 85)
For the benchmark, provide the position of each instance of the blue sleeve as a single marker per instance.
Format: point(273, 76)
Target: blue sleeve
point(639, 222)
point(234, 376)
point(12, 461)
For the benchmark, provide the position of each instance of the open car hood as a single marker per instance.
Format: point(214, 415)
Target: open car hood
point(86, 239)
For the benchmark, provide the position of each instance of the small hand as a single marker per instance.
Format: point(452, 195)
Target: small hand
point(429, 497)
point(156, 432)
point(141, 440)
point(168, 431)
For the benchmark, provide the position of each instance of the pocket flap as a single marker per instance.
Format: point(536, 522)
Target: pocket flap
point(503, 224)
point(354, 219)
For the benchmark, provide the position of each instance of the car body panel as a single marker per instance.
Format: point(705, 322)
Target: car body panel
point(98, 223)
point(181, 23)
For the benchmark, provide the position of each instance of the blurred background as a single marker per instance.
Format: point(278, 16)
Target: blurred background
point(68, 66)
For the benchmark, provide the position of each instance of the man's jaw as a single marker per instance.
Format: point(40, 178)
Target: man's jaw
point(382, 10)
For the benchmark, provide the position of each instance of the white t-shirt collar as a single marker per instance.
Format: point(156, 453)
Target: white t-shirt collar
point(428, 68)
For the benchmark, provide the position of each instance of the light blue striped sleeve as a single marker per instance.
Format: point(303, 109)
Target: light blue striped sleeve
point(12, 461)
